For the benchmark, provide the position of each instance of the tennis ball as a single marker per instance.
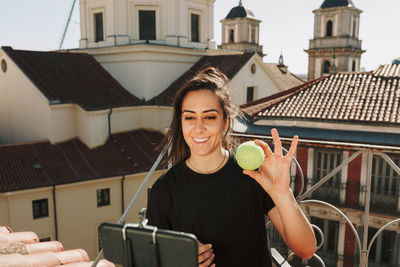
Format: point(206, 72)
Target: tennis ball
point(249, 155)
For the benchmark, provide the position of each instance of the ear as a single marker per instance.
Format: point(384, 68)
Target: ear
point(226, 124)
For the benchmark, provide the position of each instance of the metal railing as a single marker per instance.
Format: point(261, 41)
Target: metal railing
point(364, 247)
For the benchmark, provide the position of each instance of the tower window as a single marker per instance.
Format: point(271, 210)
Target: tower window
point(353, 66)
point(231, 36)
point(250, 94)
point(253, 35)
point(325, 67)
point(329, 28)
point(195, 29)
point(98, 27)
point(147, 24)
point(40, 208)
point(354, 29)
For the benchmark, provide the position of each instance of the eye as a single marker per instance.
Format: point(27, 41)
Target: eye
point(210, 117)
point(188, 118)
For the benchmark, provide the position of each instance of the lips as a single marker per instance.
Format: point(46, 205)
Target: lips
point(201, 140)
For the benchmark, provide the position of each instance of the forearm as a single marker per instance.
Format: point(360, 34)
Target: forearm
point(296, 229)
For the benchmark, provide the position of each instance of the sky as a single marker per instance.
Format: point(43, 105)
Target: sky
point(286, 27)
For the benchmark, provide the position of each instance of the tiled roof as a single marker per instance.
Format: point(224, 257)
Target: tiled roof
point(77, 78)
point(40, 164)
point(227, 64)
point(336, 3)
point(344, 97)
point(23, 249)
point(388, 70)
point(284, 77)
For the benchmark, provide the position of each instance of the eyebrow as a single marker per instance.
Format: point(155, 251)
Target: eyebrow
point(205, 111)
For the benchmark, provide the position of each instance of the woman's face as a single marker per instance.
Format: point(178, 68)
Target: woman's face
point(203, 122)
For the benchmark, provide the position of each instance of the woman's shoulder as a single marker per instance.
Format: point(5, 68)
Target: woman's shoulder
point(168, 178)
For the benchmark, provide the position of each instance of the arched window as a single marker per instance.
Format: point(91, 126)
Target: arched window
point(329, 28)
point(231, 36)
point(353, 66)
point(325, 67)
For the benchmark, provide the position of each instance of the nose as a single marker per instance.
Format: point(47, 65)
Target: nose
point(199, 127)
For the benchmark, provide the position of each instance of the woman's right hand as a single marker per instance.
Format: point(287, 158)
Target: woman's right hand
point(206, 255)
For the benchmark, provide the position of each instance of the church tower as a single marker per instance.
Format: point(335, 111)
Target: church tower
point(106, 23)
point(240, 31)
point(336, 46)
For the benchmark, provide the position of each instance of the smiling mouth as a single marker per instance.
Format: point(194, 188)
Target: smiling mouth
point(201, 140)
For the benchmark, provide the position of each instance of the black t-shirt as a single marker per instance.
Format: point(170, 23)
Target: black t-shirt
point(225, 209)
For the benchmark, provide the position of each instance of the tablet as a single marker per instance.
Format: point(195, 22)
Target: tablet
point(131, 245)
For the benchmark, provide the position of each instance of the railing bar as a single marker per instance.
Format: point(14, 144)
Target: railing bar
point(329, 175)
point(390, 162)
point(341, 213)
point(379, 232)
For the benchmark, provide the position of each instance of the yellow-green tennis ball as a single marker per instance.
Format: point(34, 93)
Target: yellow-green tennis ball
point(249, 155)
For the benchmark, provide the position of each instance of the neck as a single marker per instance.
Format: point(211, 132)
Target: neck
point(210, 163)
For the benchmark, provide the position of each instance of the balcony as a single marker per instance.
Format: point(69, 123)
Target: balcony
point(343, 42)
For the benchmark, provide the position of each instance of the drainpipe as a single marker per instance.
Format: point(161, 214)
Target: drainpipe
point(55, 210)
point(122, 194)
point(109, 122)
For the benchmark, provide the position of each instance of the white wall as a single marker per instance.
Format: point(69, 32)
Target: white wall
point(261, 80)
point(25, 113)
point(146, 71)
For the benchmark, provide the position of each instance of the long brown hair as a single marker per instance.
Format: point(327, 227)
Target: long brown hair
point(209, 79)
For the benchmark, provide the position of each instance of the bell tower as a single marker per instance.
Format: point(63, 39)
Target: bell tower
point(336, 46)
point(107, 23)
point(240, 31)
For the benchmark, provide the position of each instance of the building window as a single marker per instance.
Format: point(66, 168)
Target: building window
point(329, 28)
point(250, 94)
point(326, 67)
point(329, 250)
point(195, 27)
point(353, 66)
point(384, 185)
point(253, 34)
point(103, 197)
point(147, 24)
point(354, 29)
point(231, 36)
point(40, 208)
point(324, 162)
point(98, 27)
point(383, 250)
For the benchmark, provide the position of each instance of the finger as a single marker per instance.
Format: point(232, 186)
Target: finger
point(208, 262)
point(277, 142)
point(293, 147)
point(203, 248)
point(206, 255)
point(264, 146)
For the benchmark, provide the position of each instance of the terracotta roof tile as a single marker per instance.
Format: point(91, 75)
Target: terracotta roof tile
point(284, 77)
point(77, 78)
point(230, 65)
point(39, 164)
point(345, 97)
point(32, 254)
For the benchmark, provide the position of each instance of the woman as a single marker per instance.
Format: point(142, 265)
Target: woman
point(206, 193)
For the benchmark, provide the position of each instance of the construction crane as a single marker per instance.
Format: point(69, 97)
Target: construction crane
point(67, 25)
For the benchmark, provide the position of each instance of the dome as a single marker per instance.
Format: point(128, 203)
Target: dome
point(240, 12)
point(336, 3)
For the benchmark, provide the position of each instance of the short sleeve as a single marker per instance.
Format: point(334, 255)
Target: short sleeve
point(268, 203)
point(157, 208)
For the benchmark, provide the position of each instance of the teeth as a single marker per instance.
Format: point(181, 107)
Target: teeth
point(200, 140)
